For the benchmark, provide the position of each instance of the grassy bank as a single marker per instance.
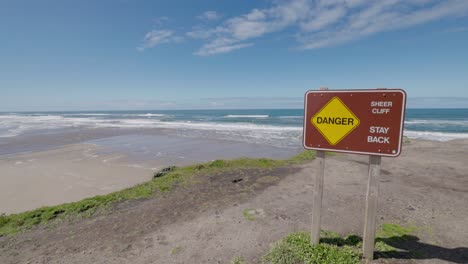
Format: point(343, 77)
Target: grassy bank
point(10, 224)
point(333, 248)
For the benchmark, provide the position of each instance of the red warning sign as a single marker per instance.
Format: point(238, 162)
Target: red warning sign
point(366, 122)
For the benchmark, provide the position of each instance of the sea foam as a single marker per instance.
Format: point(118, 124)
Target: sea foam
point(437, 136)
point(246, 116)
point(283, 130)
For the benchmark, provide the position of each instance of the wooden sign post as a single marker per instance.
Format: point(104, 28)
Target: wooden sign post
point(368, 122)
point(371, 207)
point(318, 194)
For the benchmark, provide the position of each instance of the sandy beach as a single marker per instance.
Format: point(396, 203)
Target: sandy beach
point(50, 174)
point(61, 175)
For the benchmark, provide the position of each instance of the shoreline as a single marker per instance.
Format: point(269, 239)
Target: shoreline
point(34, 131)
point(48, 140)
point(72, 172)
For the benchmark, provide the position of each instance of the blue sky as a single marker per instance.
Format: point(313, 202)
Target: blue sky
point(135, 54)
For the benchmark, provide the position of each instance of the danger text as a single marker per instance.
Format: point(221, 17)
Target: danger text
point(335, 121)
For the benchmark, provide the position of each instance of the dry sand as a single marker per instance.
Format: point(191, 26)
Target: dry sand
point(427, 187)
point(61, 175)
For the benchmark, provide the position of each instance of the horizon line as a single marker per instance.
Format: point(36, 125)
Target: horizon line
point(191, 109)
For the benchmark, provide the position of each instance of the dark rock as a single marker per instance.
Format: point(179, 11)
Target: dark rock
point(163, 172)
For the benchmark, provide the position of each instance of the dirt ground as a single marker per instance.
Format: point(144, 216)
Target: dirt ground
point(426, 187)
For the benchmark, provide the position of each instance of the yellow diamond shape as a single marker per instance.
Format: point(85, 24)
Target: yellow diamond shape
point(335, 121)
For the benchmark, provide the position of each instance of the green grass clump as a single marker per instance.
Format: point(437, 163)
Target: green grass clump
point(176, 250)
point(248, 215)
point(246, 163)
point(4, 219)
point(296, 248)
point(307, 155)
point(238, 260)
point(392, 234)
point(394, 230)
point(10, 224)
point(406, 140)
point(304, 156)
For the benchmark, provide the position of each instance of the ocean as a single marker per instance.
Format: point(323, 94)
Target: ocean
point(275, 127)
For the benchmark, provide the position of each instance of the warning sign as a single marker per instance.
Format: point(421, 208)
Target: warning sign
point(334, 121)
point(355, 121)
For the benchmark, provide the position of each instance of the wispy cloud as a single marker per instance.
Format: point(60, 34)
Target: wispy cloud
point(385, 15)
point(209, 16)
point(221, 46)
point(157, 37)
point(159, 21)
point(237, 31)
point(456, 30)
point(319, 23)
